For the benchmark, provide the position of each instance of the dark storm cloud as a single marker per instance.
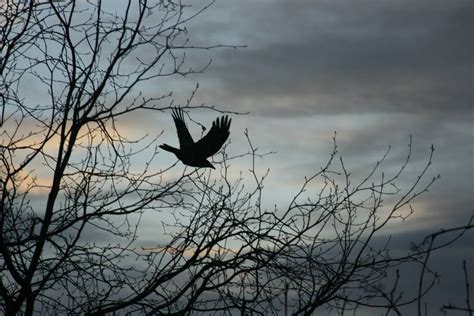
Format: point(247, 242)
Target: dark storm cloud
point(336, 56)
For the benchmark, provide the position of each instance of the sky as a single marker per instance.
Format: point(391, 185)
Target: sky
point(374, 72)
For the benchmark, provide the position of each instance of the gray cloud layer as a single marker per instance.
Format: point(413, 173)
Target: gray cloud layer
point(340, 57)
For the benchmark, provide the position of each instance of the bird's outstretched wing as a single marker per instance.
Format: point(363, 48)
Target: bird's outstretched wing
point(185, 139)
point(215, 138)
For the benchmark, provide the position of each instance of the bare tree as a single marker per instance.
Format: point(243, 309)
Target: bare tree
point(68, 172)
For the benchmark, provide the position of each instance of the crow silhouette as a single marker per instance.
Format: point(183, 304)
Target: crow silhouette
point(195, 154)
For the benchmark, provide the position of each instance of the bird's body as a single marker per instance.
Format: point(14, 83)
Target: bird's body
point(195, 154)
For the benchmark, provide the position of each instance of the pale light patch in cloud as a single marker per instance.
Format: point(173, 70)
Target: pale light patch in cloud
point(425, 218)
point(36, 185)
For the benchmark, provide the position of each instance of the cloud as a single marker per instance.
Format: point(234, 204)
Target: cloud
point(336, 57)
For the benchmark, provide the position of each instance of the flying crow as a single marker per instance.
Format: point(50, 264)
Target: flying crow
point(195, 154)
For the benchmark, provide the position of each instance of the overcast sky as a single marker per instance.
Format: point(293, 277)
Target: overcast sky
point(375, 72)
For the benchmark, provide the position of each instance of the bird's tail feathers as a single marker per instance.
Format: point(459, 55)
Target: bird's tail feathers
point(169, 148)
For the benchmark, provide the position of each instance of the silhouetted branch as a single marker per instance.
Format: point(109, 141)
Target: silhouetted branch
point(468, 307)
